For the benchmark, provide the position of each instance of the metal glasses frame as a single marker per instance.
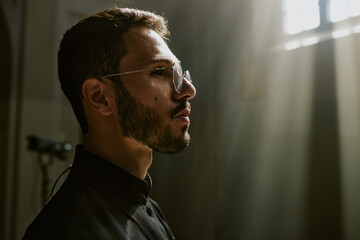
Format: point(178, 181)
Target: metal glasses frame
point(175, 70)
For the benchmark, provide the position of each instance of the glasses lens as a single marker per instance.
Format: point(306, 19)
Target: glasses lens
point(187, 76)
point(177, 77)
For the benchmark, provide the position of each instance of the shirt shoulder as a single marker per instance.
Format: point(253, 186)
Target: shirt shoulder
point(78, 211)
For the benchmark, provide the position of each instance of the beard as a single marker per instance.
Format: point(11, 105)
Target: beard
point(147, 126)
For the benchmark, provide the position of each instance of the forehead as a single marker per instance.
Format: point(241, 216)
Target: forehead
point(144, 47)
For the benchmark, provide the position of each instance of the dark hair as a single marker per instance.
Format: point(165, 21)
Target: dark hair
point(94, 47)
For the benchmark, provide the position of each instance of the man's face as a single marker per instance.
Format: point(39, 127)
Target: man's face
point(149, 108)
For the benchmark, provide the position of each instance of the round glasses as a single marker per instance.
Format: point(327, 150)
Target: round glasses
point(177, 75)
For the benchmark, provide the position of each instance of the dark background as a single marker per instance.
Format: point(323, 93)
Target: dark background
point(275, 133)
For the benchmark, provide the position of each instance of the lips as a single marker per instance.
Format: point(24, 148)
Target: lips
point(183, 113)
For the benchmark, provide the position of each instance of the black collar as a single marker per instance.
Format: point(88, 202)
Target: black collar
point(109, 178)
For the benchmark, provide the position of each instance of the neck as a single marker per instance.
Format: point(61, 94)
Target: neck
point(126, 153)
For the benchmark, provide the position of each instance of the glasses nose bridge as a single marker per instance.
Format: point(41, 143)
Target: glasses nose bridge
point(178, 78)
point(187, 76)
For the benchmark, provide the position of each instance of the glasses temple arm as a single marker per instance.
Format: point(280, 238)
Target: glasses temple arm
point(136, 71)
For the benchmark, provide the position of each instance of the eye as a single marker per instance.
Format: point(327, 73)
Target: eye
point(159, 72)
point(165, 73)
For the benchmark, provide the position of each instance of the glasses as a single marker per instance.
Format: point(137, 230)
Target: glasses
point(177, 75)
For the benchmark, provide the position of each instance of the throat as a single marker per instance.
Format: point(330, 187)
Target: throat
point(126, 153)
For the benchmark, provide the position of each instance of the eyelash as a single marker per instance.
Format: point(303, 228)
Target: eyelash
point(160, 72)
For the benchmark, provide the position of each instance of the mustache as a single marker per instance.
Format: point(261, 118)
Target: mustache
point(182, 106)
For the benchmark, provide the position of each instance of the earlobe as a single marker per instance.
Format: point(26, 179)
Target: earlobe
point(95, 95)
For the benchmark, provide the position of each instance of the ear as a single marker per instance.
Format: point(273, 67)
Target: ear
point(96, 96)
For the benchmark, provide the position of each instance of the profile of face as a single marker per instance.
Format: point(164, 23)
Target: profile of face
point(149, 108)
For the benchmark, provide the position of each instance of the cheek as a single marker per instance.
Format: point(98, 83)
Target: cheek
point(161, 103)
point(159, 91)
point(160, 86)
point(154, 93)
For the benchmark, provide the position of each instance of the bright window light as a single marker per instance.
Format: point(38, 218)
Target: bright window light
point(356, 29)
point(292, 45)
point(305, 42)
point(354, 6)
point(301, 15)
point(343, 9)
point(310, 41)
point(338, 10)
point(341, 33)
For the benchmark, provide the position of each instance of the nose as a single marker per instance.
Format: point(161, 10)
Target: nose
point(188, 90)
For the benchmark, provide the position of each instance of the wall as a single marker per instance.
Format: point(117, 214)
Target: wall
point(11, 18)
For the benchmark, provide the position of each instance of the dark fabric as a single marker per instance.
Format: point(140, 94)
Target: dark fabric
point(99, 200)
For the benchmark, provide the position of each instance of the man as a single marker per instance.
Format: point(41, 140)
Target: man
point(131, 97)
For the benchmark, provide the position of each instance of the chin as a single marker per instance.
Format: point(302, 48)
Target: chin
point(172, 150)
point(172, 144)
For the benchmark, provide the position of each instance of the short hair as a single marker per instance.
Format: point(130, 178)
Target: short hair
point(94, 47)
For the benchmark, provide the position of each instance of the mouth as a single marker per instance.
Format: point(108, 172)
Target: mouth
point(183, 115)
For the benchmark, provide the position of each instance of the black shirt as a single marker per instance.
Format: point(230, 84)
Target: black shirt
point(99, 200)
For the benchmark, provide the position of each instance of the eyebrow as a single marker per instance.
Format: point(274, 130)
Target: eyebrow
point(160, 60)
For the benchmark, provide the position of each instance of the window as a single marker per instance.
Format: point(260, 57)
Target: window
point(343, 9)
point(302, 15)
